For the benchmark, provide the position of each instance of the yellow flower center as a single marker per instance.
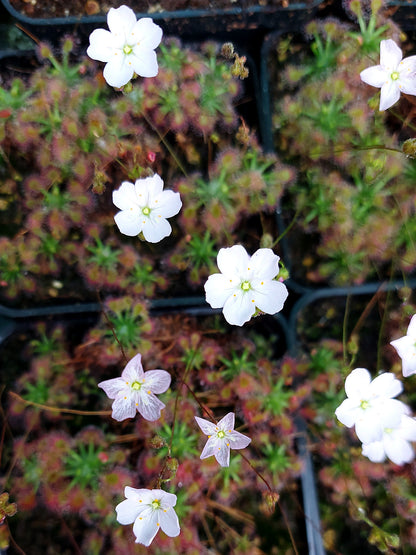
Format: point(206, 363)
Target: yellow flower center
point(245, 286)
point(221, 434)
point(146, 211)
point(155, 504)
point(395, 75)
point(364, 405)
point(127, 49)
point(136, 385)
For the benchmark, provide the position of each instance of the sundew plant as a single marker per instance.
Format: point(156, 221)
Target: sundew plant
point(138, 180)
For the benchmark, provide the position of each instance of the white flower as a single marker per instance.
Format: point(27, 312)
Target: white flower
point(370, 404)
point(127, 48)
point(406, 349)
point(245, 284)
point(136, 390)
point(394, 443)
point(144, 208)
point(221, 438)
point(149, 509)
point(393, 74)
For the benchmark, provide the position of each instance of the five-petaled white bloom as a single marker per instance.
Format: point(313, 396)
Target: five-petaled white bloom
point(394, 75)
point(127, 48)
point(144, 208)
point(245, 284)
point(394, 443)
point(149, 509)
point(370, 404)
point(221, 438)
point(406, 349)
point(136, 390)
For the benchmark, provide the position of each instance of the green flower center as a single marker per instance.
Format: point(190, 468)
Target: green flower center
point(146, 211)
point(136, 386)
point(221, 434)
point(127, 49)
point(364, 405)
point(395, 75)
point(155, 504)
point(245, 286)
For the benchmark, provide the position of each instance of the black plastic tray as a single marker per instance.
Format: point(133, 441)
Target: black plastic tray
point(194, 23)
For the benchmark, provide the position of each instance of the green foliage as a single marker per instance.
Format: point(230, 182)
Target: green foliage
point(277, 459)
point(238, 362)
point(232, 473)
point(37, 392)
point(104, 255)
point(278, 399)
point(184, 443)
point(32, 471)
point(84, 466)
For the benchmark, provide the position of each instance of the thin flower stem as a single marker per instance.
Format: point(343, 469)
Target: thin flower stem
point(113, 331)
point(344, 330)
point(292, 539)
point(165, 142)
point(58, 409)
point(203, 407)
point(235, 513)
point(12, 540)
point(257, 472)
point(289, 227)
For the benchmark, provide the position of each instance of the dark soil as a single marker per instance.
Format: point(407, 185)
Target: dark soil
point(58, 8)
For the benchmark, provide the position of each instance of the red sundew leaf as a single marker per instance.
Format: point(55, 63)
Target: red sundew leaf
point(6, 113)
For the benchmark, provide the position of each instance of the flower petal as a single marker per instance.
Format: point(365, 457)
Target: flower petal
point(117, 71)
point(411, 330)
point(375, 76)
point(239, 308)
point(121, 20)
point(218, 289)
point(144, 62)
point(145, 495)
point(357, 383)
point(123, 407)
point(398, 450)
point(146, 527)
point(209, 449)
point(264, 264)
point(154, 230)
point(158, 381)
point(169, 522)
point(102, 45)
point(207, 427)
point(233, 261)
point(166, 204)
point(390, 55)
point(146, 33)
point(374, 451)
point(389, 95)
point(348, 412)
point(237, 440)
point(127, 511)
point(386, 385)
point(269, 296)
point(129, 222)
point(125, 196)
point(407, 429)
point(112, 387)
point(227, 422)
point(133, 370)
point(368, 428)
point(149, 405)
point(222, 452)
point(408, 85)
